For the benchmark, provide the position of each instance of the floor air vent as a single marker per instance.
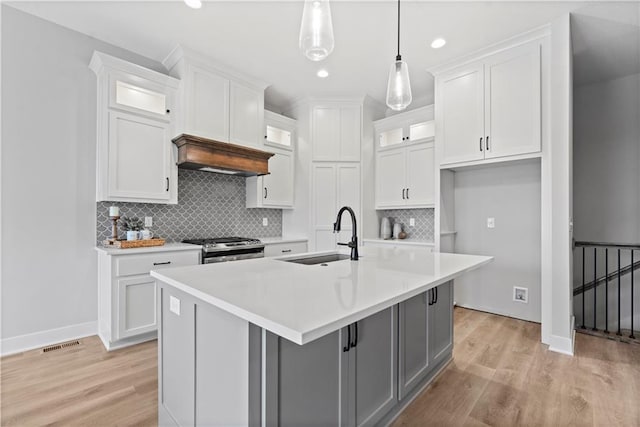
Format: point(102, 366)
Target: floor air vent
point(60, 346)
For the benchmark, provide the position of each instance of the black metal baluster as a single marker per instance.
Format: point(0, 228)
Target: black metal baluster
point(632, 274)
point(618, 333)
point(583, 290)
point(606, 291)
point(595, 286)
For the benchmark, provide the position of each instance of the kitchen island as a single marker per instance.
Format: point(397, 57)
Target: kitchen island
point(272, 342)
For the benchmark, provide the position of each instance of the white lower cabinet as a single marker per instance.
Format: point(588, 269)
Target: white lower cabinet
point(286, 248)
point(127, 310)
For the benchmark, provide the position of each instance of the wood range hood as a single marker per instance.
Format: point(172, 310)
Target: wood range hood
point(208, 155)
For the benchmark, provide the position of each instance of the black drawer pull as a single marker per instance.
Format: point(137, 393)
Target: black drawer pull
point(348, 346)
point(284, 251)
point(162, 263)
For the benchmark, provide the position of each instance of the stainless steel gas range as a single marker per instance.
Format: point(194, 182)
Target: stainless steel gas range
point(228, 248)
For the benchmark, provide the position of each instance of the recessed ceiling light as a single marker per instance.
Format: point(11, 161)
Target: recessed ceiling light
point(195, 4)
point(438, 43)
point(322, 73)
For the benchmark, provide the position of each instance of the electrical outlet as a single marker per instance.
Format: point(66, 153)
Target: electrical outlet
point(148, 221)
point(265, 221)
point(412, 222)
point(174, 305)
point(491, 223)
point(521, 294)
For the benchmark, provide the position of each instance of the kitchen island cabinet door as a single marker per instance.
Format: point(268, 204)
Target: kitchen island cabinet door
point(306, 384)
point(413, 355)
point(376, 381)
point(441, 324)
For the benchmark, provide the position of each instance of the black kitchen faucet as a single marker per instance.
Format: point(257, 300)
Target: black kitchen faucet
point(353, 244)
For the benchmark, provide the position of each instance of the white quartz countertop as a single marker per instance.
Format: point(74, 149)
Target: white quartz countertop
point(304, 302)
point(406, 242)
point(276, 240)
point(167, 247)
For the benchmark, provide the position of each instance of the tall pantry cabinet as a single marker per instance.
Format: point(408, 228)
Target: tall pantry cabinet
point(328, 170)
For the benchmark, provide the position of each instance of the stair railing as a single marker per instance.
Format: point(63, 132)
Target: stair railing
point(605, 279)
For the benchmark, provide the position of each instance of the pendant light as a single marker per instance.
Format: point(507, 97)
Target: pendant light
point(316, 30)
point(399, 88)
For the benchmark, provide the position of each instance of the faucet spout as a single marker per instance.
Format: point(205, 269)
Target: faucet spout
point(353, 244)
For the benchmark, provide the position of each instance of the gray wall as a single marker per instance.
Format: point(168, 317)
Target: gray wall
point(209, 205)
point(607, 186)
point(510, 193)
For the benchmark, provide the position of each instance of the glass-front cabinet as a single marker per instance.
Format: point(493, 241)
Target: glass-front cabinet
point(410, 127)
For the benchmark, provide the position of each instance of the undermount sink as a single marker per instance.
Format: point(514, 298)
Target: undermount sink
point(317, 259)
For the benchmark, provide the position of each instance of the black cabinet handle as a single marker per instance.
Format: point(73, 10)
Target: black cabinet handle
point(430, 292)
point(265, 192)
point(348, 346)
point(168, 111)
point(167, 184)
point(284, 251)
point(162, 263)
point(481, 143)
point(354, 344)
point(403, 194)
point(407, 193)
point(436, 300)
point(487, 144)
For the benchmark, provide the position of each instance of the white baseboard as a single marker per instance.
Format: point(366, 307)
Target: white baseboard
point(493, 310)
point(562, 344)
point(41, 339)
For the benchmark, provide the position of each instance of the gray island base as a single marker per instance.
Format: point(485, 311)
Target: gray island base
point(268, 342)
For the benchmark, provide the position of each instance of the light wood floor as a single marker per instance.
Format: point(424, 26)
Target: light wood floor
point(501, 375)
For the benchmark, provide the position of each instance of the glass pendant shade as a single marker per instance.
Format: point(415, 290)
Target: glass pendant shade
point(399, 88)
point(316, 30)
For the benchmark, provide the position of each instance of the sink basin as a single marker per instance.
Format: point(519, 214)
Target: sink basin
point(318, 259)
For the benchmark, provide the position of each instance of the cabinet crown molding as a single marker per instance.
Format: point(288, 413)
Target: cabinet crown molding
point(101, 61)
point(526, 37)
point(182, 53)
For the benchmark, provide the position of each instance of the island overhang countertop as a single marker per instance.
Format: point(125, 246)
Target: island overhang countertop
point(304, 302)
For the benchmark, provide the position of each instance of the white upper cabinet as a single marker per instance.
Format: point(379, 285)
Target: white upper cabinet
point(136, 159)
point(405, 177)
point(490, 108)
point(275, 190)
point(218, 104)
point(336, 132)
point(404, 170)
point(404, 128)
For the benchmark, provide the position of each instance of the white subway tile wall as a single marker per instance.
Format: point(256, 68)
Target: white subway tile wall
point(209, 205)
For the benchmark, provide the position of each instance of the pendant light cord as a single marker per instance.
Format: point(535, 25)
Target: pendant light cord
point(398, 57)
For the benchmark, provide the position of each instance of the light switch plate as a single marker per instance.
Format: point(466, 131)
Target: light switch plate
point(265, 221)
point(174, 305)
point(491, 223)
point(412, 222)
point(148, 221)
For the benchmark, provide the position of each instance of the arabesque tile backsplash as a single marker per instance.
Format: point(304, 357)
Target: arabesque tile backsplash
point(209, 205)
point(424, 220)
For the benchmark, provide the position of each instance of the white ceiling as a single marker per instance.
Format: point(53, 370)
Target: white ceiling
point(261, 38)
point(605, 41)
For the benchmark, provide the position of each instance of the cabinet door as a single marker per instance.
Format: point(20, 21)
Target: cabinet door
point(139, 157)
point(420, 175)
point(306, 384)
point(207, 105)
point(390, 178)
point(246, 116)
point(349, 134)
point(376, 382)
point(512, 113)
point(413, 355)
point(278, 185)
point(441, 324)
point(462, 113)
point(324, 206)
point(326, 133)
point(136, 306)
point(348, 194)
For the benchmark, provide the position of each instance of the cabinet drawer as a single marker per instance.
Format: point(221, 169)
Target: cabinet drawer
point(285, 249)
point(142, 264)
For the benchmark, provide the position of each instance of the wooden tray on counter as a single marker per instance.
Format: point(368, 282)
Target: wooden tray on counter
point(127, 244)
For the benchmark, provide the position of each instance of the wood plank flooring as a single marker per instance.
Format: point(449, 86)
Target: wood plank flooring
point(500, 376)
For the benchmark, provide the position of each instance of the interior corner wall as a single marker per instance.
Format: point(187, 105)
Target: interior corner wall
point(49, 275)
point(607, 161)
point(509, 193)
